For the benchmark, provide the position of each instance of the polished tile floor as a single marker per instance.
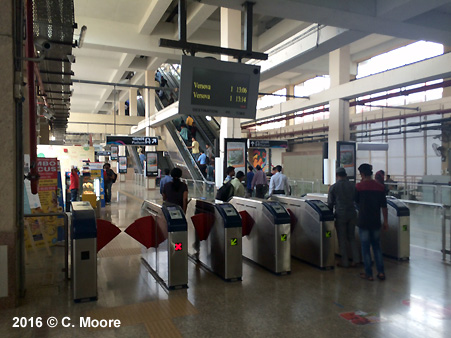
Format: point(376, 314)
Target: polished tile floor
point(414, 301)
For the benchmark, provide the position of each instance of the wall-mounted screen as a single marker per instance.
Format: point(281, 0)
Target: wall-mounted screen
point(218, 88)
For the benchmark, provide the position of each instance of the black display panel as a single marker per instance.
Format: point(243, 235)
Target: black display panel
point(218, 88)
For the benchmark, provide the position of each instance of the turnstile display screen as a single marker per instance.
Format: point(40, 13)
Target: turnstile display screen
point(175, 213)
point(322, 206)
point(229, 210)
point(277, 207)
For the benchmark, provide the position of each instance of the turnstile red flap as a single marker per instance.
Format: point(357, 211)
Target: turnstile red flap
point(106, 231)
point(146, 232)
point(203, 223)
point(247, 221)
point(293, 219)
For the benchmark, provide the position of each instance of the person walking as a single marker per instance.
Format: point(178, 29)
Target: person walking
point(278, 185)
point(238, 187)
point(259, 182)
point(341, 196)
point(249, 177)
point(184, 133)
point(166, 178)
point(142, 157)
point(176, 192)
point(230, 172)
point(74, 184)
point(370, 199)
point(109, 177)
point(209, 153)
point(202, 160)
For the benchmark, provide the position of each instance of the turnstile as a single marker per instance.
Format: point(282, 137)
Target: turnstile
point(268, 244)
point(396, 241)
point(167, 258)
point(84, 251)
point(215, 237)
point(312, 236)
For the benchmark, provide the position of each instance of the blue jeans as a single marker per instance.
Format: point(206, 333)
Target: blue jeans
point(108, 191)
point(73, 195)
point(371, 238)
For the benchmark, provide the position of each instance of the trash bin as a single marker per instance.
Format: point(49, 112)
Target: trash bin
point(84, 251)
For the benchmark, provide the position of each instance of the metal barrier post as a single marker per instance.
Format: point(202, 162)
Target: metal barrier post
point(66, 234)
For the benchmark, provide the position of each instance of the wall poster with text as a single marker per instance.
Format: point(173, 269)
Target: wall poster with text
point(151, 163)
point(114, 152)
point(236, 154)
point(122, 164)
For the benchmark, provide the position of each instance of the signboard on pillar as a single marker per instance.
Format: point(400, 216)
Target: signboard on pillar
point(151, 164)
point(235, 154)
point(346, 158)
point(267, 144)
point(122, 164)
point(114, 151)
point(132, 140)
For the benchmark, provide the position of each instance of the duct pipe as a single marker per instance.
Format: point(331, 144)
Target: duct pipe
point(33, 175)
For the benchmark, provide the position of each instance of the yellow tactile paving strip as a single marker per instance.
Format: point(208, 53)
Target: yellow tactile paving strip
point(156, 316)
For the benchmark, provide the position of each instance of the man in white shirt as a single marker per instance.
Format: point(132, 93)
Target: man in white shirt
point(278, 185)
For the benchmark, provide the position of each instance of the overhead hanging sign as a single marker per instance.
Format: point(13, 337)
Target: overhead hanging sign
point(267, 144)
point(132, 140)
point(103, 153)
point(218, 88)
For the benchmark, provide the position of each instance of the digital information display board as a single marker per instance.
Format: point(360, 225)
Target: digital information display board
point(218, 88)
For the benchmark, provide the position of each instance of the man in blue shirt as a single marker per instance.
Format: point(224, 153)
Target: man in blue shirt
point(249, 177)
point(202, 163)
point(166, 178)
point(278, 185)
point(142, 157)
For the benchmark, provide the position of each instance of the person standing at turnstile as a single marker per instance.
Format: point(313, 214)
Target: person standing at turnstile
point(278, 185)
point(341, 196)
point(176, 192)
point(370, 198)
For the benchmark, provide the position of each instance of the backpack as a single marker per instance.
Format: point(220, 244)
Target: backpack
point(225, 192)
point(113, 179)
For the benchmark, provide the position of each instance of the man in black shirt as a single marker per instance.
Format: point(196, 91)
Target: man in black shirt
point(370, 198)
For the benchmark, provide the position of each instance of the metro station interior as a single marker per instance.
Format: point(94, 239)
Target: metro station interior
point(314, 85)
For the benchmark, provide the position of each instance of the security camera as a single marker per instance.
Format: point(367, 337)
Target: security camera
point(71, 58)
point(42, 44)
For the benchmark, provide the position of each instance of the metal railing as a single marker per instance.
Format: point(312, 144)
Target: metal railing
point(444, 216)
point(200, 189)
point(66, 237)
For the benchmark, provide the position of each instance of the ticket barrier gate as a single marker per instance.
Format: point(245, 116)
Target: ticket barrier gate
point(215, 237)
point(167, 258)
point(84, 251)
point(395, 242)
point(268, 243)
point(313, 230)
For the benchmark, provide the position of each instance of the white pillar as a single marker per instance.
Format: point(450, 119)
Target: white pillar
point(133, 102)
point(230, 38)
point(290, 91)
point(121, 111)
point(339, 71)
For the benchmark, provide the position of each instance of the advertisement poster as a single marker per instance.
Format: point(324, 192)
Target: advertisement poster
point(151, 164)
point(122, 164)
point(346, 158)
point(97, 174)
point(236, 151)
point(114, 151)
point(259, 157)
point(42, 231)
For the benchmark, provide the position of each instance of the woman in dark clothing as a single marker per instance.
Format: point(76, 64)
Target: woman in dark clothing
point(176, 192)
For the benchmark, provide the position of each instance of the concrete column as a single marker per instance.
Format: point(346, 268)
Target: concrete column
point(290, 91)
point(9, 210)
point(230, 38)
point(149, 99)
point(44, 131)
point(339, 70)
point(121, 106)
point(133, 102)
